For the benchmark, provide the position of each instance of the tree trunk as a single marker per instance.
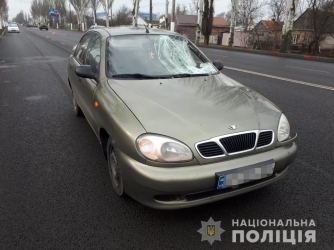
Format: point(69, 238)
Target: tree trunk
point(206, 40)
point(316, 45)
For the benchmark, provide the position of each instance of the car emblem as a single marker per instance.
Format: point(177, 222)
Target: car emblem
point(233, 127)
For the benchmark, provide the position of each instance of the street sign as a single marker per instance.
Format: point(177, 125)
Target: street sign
point(6, 13)
point(54, 13)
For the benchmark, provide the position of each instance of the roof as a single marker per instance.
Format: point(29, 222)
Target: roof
point(191, 20)
point(272, 25)
point(130, 30)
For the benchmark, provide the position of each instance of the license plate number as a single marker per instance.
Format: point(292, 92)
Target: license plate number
point(245, 174)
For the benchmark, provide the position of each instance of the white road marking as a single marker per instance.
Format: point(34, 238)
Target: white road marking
point(281, 78)
point(59, 33)
point(53, 39)
point(308, 69)
point(62, 43)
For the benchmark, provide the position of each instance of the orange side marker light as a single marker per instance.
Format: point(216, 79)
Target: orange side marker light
point(96, 104)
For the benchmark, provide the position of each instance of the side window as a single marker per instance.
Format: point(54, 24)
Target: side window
point(93, 55)
point(82, 48)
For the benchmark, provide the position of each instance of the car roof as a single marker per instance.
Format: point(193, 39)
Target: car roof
point(129, 30)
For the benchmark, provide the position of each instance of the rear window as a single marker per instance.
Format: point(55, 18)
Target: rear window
point(12, 25)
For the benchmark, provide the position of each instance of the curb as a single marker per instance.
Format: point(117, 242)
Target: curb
point(271, 53)
point(3, 33)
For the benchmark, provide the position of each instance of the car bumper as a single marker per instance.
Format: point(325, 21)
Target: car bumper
point(13, 31)
point(175, 188)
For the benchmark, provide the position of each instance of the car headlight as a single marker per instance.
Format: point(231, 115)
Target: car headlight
point(283, 131)
point(163, 149)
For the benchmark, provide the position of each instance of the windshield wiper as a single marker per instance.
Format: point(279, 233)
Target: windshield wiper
point(188, 75)
point(138, 76)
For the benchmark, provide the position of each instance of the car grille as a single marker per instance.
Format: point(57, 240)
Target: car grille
point(238, 143)
point(265, 138)
point(210, 149)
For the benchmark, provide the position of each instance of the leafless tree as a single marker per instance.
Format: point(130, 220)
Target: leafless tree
point(123, 16)
point(80, 7)
point(207, 20)
point(181, 9)
point(94, 4)
point(249, 12)
point(3, 9)
point(193, 7)
point(321, 21)
point(277, 9)
point(107, 6)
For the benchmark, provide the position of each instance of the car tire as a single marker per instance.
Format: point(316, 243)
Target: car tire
point(114, 170)
point(77, 109)
point(47, 29)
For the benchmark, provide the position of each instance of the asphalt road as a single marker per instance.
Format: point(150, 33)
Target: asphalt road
point(55, 191)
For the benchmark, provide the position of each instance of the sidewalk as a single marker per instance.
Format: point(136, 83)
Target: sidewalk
point(2, 32)
point(270, 53)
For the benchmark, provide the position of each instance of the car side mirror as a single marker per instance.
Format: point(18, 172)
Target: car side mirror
point(219, 65)
point(85, 71)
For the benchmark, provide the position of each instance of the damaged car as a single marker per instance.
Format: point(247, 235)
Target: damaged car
point(175, 131)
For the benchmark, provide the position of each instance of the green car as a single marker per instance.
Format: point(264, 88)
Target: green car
point(176, 132)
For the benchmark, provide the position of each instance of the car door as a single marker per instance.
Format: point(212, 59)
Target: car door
point(88, 86)
point(76, 60)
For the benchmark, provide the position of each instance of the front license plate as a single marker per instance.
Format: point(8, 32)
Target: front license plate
point(245, 174)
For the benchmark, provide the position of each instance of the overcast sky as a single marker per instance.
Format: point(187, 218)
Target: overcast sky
point(15, 6)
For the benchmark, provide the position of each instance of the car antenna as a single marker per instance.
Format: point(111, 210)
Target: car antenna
point(146, 27)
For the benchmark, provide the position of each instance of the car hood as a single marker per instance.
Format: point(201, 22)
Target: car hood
point(194, 109)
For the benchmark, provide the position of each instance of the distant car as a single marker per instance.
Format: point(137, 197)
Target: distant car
point(13, 28)
point(176, 132)
point(43, 26)
point(96, 27)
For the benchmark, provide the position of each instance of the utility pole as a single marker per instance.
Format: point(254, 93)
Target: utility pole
point(107, 13)
point(199, 21)
point(233, 21)
point(166, 15)
point(172, 25)
point(151, 12)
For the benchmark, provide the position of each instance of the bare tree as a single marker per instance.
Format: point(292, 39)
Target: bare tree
point(207, 20)
point(107, 5)
point(321, 21)
point(3, 9)
point(80, 7)
point(277, 8)
point(249, 12)
point(193, 7)
point(181, 9)
point(123, 16)
point(94, 4)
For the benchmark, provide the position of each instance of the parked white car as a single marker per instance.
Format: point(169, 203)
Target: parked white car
point(13, 28)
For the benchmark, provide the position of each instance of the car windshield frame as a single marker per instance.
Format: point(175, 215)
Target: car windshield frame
point(144, 75)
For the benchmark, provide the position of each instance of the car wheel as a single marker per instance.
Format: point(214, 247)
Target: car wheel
point(77, 109)
point(47, 29)
point(114, 170)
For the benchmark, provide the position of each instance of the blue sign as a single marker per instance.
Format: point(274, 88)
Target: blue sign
point(54, 13)
point(9, 22)
point(6, 13)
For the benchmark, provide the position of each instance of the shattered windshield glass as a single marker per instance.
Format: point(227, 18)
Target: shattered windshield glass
point(155, 55)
